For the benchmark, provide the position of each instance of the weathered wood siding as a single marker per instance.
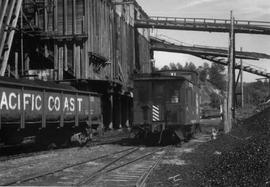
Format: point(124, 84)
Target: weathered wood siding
point(101, 37)
point(73, 30)
point(142, 53)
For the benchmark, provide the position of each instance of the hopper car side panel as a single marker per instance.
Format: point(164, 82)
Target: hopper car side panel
point(22, 104)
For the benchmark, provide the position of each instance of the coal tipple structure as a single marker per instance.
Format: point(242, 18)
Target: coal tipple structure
point(90, 45)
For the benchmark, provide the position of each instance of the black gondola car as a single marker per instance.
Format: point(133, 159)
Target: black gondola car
point(166, 102)
point(45, 109)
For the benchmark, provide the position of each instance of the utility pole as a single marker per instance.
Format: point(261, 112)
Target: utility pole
point(231, 80)
point(21, 44)
point(242, 85)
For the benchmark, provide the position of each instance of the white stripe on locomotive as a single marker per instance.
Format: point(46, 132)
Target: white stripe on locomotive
point(155, 113)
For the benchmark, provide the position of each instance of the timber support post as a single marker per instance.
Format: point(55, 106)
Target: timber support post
point(111, 107)
point(242, 85)
point(231, 81)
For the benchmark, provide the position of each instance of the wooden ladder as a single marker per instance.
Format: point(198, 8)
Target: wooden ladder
point(9, 13)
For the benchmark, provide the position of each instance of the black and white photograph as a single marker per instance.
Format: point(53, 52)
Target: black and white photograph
point(135, 93)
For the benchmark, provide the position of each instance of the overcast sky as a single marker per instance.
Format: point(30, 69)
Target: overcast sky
point(258, 10)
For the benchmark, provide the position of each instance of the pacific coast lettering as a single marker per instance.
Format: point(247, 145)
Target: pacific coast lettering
point(34, 102)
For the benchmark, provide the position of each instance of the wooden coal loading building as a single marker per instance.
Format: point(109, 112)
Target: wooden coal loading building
point(89, 44)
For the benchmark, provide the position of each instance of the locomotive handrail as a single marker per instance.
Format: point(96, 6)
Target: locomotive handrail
point(2, 82)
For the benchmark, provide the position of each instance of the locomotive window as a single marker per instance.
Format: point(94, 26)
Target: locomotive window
point(158, 89)
point(174, 98)
point(172, 92)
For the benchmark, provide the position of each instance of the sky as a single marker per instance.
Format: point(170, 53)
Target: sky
point(253, 10)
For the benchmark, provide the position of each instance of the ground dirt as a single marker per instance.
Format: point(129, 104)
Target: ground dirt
point(240, 158)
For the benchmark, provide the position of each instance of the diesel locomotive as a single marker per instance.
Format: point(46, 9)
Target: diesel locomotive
point(166, 103)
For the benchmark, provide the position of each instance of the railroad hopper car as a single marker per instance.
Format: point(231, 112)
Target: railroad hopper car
point(44, 110)
point(165, 105)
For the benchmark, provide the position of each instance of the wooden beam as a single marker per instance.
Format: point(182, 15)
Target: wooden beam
point(55, 16)
point(10, 37)
point(242, 85)
point(55, 46)
point(45, 16)
point(74, 30)
point(45, 21)
point(230, 88)
point(3, 11)
point(60, 62)
point(65, 17)
point(85, 61)
point(77, 61)
point(55, 55)
point(21, 45)
point(16, 65)
point(74, 16)
point(4, 29)
point(65, 66)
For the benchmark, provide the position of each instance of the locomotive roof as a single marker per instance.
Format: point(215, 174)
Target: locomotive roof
point(180, 70)
point(159, 77)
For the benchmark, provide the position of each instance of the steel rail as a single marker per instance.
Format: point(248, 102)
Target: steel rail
point(22, 180)
point(141, 179)
point(101, 170)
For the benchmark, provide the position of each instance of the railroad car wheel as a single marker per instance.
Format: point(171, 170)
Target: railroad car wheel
point(12, 137)
point(169, 137)
point(79, 139)
point(82, 136)
point(136, 134)
point(54, 137)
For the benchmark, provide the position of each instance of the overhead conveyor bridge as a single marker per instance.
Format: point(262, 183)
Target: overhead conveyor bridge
point(158, 44)
point(224, 61)
point(204, 24)
point(214, 54)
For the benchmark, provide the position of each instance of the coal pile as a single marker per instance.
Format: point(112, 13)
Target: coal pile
point(246, 165)
point(241, 158)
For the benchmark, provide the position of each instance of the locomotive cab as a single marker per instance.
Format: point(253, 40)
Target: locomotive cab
point(165, 103)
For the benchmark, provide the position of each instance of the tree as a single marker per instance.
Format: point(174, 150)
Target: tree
point(173, 66)
point(203, 72)
point(165, 68)
point(215, 100)
point(179, 66)
point(190, 66)
point(256, 92)
point(216, 76)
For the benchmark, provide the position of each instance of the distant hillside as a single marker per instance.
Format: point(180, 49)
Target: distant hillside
point(208, 90)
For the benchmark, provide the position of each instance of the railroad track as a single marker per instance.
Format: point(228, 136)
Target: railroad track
point(131, 169)
point(128, 167)
point(44, 174)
